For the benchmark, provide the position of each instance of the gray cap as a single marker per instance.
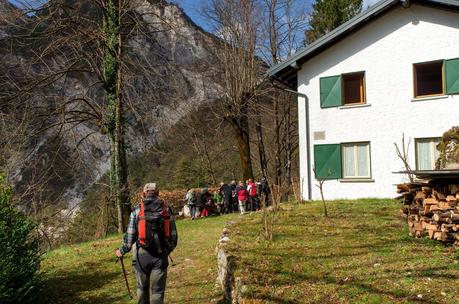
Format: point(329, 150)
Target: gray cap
point(150, 187)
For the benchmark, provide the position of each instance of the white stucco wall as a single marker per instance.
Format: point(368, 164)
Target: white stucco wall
point(386, 50)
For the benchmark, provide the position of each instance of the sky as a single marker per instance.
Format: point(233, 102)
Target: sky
point(193, 9)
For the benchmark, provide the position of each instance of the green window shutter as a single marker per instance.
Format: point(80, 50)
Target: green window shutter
point(330, 92)
point(452, 76)
point(327, 161)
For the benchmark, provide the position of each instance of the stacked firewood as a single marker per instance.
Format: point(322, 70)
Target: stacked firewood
point(431, 210)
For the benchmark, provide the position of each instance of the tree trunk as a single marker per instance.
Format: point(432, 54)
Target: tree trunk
point(261, 149)
point(112, 76)
point(241, 131)
point(288, 150)
point(277, 146)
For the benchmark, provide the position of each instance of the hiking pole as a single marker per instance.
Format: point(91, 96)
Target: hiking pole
point(172, 261)
point(125, 276)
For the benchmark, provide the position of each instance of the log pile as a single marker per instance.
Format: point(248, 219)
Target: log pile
point(431, 210)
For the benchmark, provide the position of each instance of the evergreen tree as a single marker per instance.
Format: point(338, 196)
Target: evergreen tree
point(329, 14)
point(19, 254)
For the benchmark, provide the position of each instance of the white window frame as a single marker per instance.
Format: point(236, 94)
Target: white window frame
point(356, 168)
point(433, 141)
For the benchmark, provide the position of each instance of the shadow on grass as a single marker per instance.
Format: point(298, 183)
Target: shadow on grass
point(63, 287)
point(298, 278)
point(354, 253)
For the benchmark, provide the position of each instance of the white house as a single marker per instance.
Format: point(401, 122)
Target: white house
point(391, 70)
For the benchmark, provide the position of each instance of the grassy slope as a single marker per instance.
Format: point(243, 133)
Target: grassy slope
point(361, 254)
point(87, 273)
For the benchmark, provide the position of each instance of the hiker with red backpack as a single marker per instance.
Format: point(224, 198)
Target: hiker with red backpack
point(253, 195)
point(152, 234)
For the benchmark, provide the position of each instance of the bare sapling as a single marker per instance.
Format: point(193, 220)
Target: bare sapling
point(320, 185)
point(403, 155)
point(267, 232)
point(269, 213)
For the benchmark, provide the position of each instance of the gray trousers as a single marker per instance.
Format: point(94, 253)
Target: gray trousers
point(151, 274)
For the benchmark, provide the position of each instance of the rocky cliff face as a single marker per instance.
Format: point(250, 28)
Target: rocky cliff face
point(64, 162)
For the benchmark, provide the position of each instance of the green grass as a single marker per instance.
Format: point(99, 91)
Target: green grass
point(87, 273)
point(361, 253)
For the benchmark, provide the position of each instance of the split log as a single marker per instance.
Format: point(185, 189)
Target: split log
point(444, 217)
point(426, 190)
point(451, 198)
point(446, 205)
point(431, 233)
point(420, 196)
point(403, 188)
point(440, 196)
point(447, 227)
point(430, 201)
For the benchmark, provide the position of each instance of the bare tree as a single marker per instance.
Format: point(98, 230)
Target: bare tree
point(320, 185)
point(402, 153)
point(80, 65)
point(237, 23)
point(284, 22)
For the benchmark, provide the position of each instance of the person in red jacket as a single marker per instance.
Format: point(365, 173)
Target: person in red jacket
point(253, 195)
point(242, 196)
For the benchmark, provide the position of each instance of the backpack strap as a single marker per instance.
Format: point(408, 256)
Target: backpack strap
point(142, 225)
point(167, 220)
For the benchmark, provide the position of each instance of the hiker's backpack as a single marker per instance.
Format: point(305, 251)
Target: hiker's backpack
point(191, 196)
point(154, 226)
point(253, 189)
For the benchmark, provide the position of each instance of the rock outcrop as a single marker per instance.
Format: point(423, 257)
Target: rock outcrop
point(186, 58)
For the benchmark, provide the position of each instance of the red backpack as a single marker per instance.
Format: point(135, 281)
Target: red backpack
point(253, 189)
point(154, 226)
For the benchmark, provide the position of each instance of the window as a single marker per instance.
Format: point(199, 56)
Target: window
point(356, 160)
point(336, 161)
point(428, 79)
point(426, 153)
point(353, 88)
point(345, 89)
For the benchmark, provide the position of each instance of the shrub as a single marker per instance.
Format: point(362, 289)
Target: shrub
point(449, 148)
point(19, 252)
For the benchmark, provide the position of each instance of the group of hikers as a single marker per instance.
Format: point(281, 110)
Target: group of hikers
point(228, 198)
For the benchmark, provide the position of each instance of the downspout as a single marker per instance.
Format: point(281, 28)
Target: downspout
point(308, 140)
point(308, 148)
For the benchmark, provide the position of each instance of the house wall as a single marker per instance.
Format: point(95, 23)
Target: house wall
point(386, 50)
